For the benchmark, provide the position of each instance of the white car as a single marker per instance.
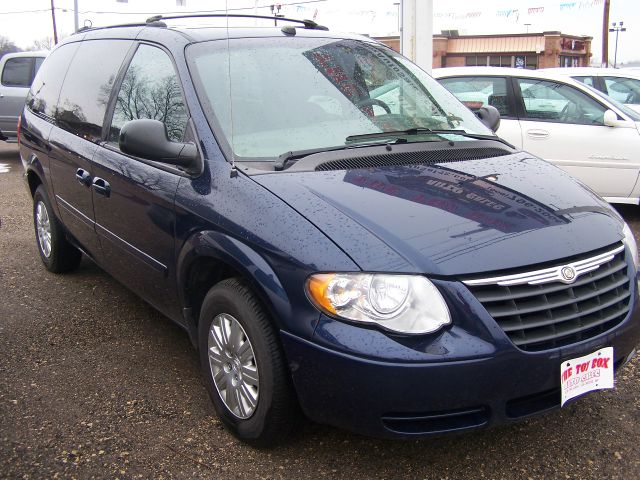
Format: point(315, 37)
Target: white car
point(621, 85)
point(16, 74)
point(568, 123)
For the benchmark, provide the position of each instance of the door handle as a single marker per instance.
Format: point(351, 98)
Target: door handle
point(83, 177)
point(101, 186)
point(537, 134)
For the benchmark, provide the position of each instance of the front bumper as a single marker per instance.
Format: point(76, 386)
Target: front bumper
point(355, 378)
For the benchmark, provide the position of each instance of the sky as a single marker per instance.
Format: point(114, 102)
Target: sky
point(372, 17)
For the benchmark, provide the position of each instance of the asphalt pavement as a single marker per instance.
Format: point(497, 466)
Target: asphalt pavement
point(94, 383)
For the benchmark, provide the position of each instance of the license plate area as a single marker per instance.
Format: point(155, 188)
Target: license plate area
point(586, 374)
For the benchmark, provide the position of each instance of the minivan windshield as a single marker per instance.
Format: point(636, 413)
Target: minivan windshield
point(294, 93)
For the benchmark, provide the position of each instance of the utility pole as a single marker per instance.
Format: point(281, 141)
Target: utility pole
point(53, 19)
point(605, 34)
point(76, 22)
point(617, 29)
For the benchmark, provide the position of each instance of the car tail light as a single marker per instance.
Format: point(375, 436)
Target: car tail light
point(19, 125)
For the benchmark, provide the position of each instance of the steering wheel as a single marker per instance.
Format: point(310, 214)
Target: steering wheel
point(632, 97)
point(567, 111)
point(373, 101)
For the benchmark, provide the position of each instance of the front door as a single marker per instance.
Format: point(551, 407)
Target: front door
point(134, 198)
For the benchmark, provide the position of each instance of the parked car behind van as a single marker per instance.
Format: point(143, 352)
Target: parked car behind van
point(337, 234)
point(569, 124)
point(16, 74)
point(620, 84)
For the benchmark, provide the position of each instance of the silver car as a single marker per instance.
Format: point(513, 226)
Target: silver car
point(16, 74)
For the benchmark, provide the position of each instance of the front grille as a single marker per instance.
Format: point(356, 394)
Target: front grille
point(426, 157)
point(539, 316)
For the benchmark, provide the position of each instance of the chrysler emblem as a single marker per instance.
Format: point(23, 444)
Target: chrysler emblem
point(568, 274)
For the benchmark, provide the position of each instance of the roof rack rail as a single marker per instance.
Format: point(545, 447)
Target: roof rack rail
point(121, 25)
point(309, 24)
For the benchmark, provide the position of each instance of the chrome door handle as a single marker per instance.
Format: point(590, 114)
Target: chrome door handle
point(101, 187)
point(83, 177)
point(537, 134)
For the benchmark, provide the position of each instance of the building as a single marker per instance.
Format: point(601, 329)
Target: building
point(523, 50)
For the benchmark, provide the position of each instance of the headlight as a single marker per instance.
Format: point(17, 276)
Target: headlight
point(630, 241)
point(400, 303)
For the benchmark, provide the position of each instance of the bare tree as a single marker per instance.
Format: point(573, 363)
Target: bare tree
point(143, 97)
point(7, 46)
point(44, 43)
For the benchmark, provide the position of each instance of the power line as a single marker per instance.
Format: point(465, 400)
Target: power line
point(99, 12)
point(29, 11)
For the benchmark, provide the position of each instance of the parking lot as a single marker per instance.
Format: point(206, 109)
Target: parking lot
point(95, 383)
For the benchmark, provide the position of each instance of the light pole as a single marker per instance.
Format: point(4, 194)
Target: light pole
point(619, 28)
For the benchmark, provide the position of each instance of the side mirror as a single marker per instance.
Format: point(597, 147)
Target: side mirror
point(610, 119)
point(146, 138)
point(490, 116)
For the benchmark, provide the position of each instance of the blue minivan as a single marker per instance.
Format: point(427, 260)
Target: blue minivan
point(340, 237)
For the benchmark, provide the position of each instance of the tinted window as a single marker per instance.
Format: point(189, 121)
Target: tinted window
point(557, 102)
point(476, 92)
point(87, 87)
point(17, 72)
point(150, 89)
point(45, 90)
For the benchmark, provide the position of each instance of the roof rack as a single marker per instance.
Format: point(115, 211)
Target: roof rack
point(121, 25)
point(308, 24)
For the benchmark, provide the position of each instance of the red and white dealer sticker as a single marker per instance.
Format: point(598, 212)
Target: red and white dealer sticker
point(584, 374)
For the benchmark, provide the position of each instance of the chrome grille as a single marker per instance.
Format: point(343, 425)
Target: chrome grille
point(538, 316)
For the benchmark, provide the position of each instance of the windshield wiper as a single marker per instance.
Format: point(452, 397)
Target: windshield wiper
point(295, 155)
point(424, 131)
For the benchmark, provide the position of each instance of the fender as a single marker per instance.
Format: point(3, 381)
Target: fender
point(252, 266)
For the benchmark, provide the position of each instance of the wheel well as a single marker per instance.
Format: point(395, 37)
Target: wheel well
point(34, 182)
point(204, 274)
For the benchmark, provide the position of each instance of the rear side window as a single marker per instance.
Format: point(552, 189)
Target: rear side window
point(87, 87)
point(624, 90)
point(150, 89)
point(585, 80)
point(17, 72)
point(45, 90)
point(476, 92)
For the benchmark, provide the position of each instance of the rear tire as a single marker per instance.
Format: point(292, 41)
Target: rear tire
point(57, 254)
point(244, 367)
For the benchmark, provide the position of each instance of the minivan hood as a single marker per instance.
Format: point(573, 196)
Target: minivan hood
point(452, 219)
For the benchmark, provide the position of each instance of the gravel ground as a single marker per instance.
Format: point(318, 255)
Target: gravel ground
point(95, 383)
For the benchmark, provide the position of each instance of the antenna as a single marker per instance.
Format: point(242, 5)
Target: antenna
point(234, 171)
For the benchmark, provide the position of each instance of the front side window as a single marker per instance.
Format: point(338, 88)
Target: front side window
point(557, 102)
point(476, 92)
point(624, 90)
point(150, 89)
point(313, 93)
point(17, 72)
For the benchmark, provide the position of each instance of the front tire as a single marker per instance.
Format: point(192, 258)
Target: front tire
point(57, 254)
point(244, 367)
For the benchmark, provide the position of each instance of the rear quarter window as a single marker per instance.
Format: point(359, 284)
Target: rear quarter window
point(45, 90)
